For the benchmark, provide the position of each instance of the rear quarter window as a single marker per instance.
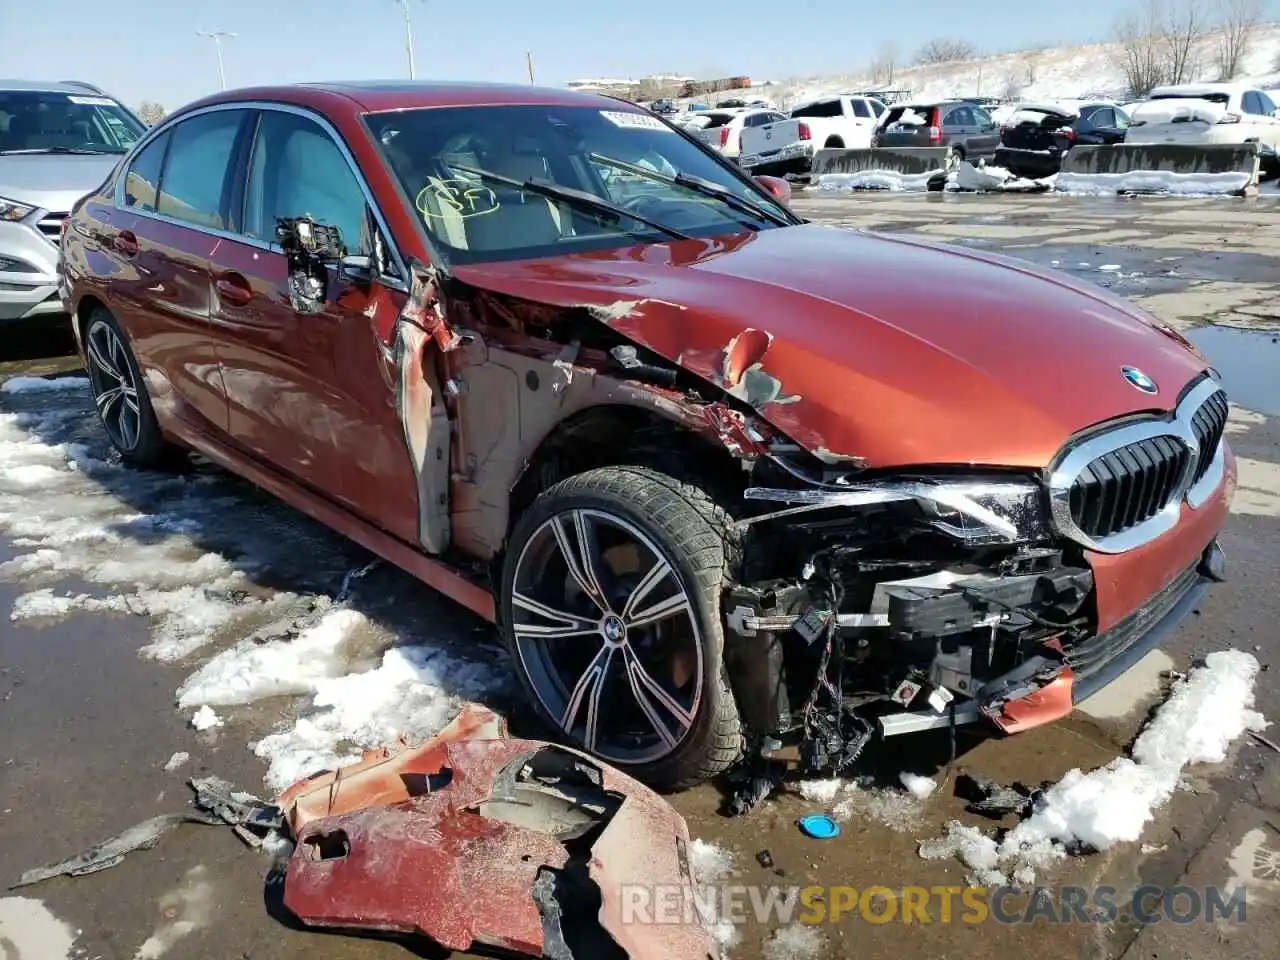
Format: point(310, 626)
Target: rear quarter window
point(195, 172)
point(823, 108)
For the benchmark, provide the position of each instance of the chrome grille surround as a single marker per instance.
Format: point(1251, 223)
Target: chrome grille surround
point(1194, 484)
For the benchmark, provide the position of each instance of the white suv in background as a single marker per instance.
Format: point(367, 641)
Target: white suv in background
point(1207, 113)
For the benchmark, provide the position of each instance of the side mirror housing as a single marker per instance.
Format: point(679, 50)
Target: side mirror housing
point(778, 188)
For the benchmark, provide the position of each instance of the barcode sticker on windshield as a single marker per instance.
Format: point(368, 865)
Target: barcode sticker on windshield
point(635, 121)
point(92, 101)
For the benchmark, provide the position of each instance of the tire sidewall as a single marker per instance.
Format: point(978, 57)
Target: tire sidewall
point(677, 766)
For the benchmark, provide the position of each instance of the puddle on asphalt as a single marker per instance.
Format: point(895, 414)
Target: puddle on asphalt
point(1248, 361)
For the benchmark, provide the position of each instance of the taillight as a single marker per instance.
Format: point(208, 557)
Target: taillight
point(724, 136)
point(1070, 134)
point(804, 132)
point(1230, 118)
point(935, 126)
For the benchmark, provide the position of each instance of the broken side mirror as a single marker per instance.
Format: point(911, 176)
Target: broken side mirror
point(778, 188)
point(309, 247)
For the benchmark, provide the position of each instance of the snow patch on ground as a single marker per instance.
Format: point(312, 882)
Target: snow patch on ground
point(1206, 712)
point(876, 180)
point(991, 178)
point(710, 865)
point(796, 941)
point(43, 384)
point(201, 555)
point(1151, 181)
point(250, 671)
point(177, 760)
point(30, 928)
point(899, 811)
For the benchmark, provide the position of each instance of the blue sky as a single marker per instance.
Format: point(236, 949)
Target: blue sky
point(147, 49)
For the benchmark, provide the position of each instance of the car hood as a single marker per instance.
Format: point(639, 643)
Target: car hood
point(53, 181)
point(883, 350)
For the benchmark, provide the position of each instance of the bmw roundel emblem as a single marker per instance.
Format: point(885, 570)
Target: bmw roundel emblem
point(1139, 379)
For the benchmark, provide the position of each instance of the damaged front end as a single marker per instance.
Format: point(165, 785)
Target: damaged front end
point(882, 605)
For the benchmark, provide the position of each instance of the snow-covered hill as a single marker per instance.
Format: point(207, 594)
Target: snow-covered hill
point(1091, 70)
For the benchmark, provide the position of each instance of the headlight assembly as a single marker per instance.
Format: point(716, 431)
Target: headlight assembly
point(976, 510)
point(11, 210)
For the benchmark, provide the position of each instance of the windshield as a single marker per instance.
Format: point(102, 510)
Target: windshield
point(438, 155)
point(39, 120)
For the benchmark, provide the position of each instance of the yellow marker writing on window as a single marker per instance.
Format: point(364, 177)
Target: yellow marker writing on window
point(455, 198)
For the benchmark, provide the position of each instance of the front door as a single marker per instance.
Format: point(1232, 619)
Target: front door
point(307, 392)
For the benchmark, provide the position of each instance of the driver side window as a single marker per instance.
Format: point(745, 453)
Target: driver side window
point(295, 170)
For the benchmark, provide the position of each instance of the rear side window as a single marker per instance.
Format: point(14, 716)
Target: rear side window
point(823, 108)
point(143, 179)
point(1253, 103)
point(195, 173)
point(860, 108)
point(1106, 117)
point(959, 117)
point(878, 107)
point(298, 170)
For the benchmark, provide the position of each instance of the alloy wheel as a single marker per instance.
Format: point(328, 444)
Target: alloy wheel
point(115, 389)
point(607, 636)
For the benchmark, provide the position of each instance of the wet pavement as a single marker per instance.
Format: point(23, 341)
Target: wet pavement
point(87, 724)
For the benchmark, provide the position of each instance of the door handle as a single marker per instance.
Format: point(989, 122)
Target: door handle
point(125, 242)
point(234, 289)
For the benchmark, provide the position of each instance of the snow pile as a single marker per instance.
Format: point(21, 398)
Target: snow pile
point(414, 692)
point(796, 941)
point(1205, 713)
point(175, 761)
point(919, 787)
point(1164, 182)
point(877, 180)
point(989, 178)
point(43, 384)
point(710, 865)
point(251, 671)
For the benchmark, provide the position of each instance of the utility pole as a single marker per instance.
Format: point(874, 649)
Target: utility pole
point(217, 36)
point(408, 37)
point(529, 59)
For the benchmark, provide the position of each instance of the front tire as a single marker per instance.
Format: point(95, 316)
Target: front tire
point(120, 395)
point(610, 607)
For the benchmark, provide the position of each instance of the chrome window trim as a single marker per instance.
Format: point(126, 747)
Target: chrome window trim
point(399, 281)
point(1179, 428)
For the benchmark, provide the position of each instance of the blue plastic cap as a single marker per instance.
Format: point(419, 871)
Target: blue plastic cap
point(819, 826)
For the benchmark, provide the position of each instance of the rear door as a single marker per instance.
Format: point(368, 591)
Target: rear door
point(177, 193)
point(307, 392)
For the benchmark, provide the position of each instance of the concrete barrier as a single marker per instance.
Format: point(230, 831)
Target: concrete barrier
point(1230, 167)
point(882, 168)
point(905, 160)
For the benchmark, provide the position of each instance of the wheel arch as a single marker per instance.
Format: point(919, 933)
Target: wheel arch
point(620, 434)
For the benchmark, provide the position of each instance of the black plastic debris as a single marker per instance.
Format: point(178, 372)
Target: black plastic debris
point(995, 800)
point(217, 804)
point(765, 859)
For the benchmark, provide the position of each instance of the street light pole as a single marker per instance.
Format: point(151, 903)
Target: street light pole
point(217, 36)
point(408, 37)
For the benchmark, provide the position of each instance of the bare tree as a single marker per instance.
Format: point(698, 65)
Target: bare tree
point(1012, 89)
point(151, 112)
point(1030, 66)
point(946, 51)
point(885, 64)
point(1185, 26)
point(1238, 22)
point(1140, 42)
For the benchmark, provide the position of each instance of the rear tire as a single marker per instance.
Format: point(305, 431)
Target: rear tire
point(636, 681)
point(120, 396)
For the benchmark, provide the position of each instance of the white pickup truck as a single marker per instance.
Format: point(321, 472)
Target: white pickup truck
point(788, 145)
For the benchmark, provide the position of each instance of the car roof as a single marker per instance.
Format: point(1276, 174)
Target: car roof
point(47, 86)
point(375, 96)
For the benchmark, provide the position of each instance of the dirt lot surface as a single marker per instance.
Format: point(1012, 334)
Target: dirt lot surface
point(87, 724)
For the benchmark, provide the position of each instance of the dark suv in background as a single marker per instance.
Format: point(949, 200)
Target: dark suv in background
point(962, 125)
